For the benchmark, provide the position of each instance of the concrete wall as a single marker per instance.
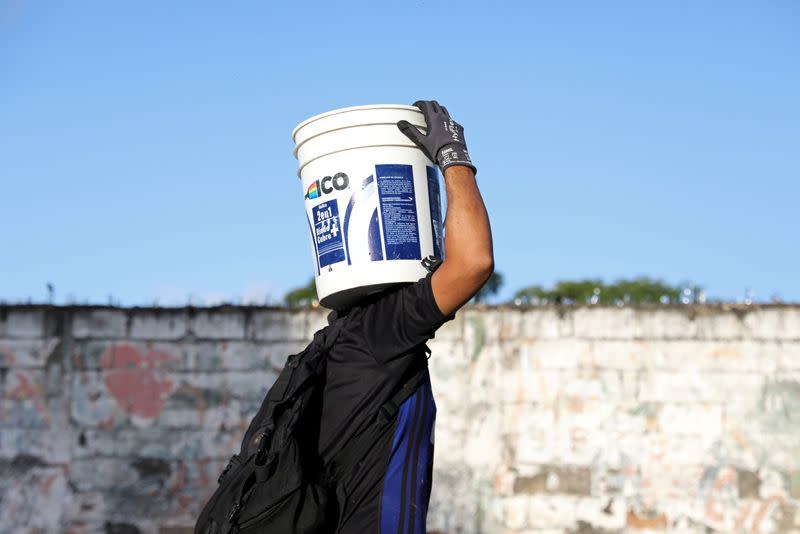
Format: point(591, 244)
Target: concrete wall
point(549, 420)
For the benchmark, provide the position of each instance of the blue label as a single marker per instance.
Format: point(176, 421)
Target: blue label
point(374, 244)
point(314, 240)
point(374, 238)
point(398, 211)
point(328, 233)
point(436, 210)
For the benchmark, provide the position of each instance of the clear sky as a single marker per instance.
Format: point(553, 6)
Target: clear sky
point(146, 152)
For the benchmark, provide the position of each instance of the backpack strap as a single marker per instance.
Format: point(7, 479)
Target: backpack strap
point(390, 408)
point(353, 453)
point(287, 381)
point(323, 341)
point(333, 329)
point(283, 388)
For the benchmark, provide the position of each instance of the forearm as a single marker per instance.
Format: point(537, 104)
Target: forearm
point(468, 257)
point(468, 236)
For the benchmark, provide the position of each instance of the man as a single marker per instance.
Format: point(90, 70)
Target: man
point(382, 345)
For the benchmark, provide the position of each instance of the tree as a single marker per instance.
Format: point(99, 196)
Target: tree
point(302, 296)
point(640, 290)
point(490, 288)
point(572, 292)
point(530, 295)
point(563, 292)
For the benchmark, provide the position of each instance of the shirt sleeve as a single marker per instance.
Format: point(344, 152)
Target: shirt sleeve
point(402, 319)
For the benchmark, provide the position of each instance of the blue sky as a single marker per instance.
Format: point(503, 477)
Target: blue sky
point(146, 153)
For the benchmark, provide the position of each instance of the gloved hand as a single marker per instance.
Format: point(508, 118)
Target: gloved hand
point(444, 143)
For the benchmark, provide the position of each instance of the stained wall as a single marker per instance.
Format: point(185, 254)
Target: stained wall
point(571, 420)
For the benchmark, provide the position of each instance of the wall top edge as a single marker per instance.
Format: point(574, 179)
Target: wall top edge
point(687, 308)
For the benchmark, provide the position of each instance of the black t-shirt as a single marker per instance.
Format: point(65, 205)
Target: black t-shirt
point(378, 349)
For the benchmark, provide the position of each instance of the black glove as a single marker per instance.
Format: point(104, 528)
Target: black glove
point(444, 143)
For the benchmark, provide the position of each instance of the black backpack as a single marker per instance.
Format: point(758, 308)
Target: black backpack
point(276, 483)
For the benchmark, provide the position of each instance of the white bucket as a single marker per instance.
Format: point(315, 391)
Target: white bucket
point(372, 200)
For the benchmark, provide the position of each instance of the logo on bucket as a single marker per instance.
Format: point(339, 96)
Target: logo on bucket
point(338, 181)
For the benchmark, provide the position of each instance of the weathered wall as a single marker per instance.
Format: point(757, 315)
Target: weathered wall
point(549, 420)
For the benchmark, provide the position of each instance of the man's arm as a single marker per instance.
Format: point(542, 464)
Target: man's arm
point(468, 261)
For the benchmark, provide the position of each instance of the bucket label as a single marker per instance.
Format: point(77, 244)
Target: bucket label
point(314, 244)
point(398, 211)
point(328, 234)
point(362, 212)
point(436, 210)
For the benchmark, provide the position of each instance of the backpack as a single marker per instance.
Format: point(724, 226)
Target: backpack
point(276, 482)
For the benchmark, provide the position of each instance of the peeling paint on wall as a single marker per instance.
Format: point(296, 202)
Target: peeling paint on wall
point(135, 379)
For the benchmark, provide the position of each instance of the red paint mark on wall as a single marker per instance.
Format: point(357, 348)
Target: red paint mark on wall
point(6, 356)
point(47, 483)
point(132, 377)
point(27, 389)
point(24, 388)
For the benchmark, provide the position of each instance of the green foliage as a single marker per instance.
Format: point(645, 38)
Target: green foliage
point(490, 288)
point(302, 296)
point(641, 290)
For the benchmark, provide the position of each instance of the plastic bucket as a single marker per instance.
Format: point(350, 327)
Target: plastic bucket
point(372, 201)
